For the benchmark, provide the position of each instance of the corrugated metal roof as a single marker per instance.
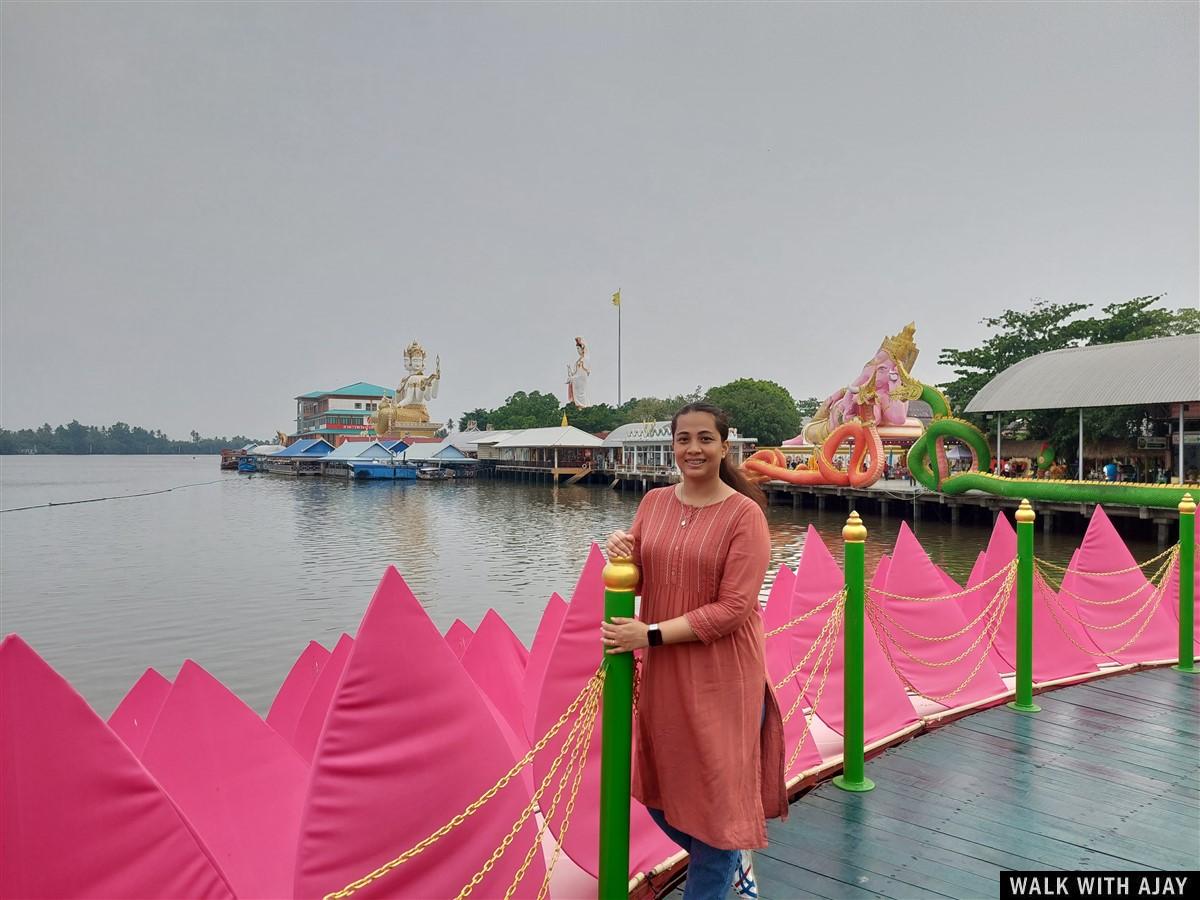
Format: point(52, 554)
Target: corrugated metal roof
point(494, 437)
point(1160, 370)
point(419, 452)
point(363, 449)
point(556, 436)
point(307, 447)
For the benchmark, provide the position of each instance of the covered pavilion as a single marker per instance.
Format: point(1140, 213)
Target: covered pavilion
point(1133, 373)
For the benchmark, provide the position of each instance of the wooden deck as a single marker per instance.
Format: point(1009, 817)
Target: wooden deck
point(1104, 778)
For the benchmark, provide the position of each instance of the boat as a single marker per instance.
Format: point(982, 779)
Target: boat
point(434, 473)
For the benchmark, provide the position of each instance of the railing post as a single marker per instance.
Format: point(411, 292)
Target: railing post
point(1187, 585)
point(1024, 693)
point(620, 581)
point(853, 757)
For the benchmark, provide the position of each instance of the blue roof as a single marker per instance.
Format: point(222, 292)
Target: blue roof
point(358, 389)
point(309, 447)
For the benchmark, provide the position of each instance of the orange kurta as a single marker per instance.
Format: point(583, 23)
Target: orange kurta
point(706, 755)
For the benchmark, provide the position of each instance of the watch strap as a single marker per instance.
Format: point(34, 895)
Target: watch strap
point(654, 636)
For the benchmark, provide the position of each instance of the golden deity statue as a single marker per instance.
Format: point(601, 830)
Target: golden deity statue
point(407, 412)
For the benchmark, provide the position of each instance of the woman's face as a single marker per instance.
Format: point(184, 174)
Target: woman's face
point(698, 447)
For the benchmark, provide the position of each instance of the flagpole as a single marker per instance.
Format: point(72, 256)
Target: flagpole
point(619, 351)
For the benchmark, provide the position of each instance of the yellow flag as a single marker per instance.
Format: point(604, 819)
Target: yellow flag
point(617, 298)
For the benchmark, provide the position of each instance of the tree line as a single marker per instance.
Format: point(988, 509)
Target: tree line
point(758, 409)
point(119, 438)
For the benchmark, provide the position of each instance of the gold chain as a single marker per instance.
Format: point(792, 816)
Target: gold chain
point(1163, 572)
point(562, 834)
point(796, 621)
point(999, 601)
point(953, 596)
point(1004, 588)
point(595, 683)
point(808, 720)
point(1155, 592)
point(1134, 568)
point(993, 624)
point(796, 669)
point(570, 744)
point(1104, 653)
point(581, 738)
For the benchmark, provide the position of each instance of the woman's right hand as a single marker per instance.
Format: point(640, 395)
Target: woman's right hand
point(619, 544)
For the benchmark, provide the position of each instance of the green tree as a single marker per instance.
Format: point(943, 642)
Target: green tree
point(600, 417)
point(481, 418)
point(1020, 334)
point(762, 410)
point(522, 410)
point(807, 407)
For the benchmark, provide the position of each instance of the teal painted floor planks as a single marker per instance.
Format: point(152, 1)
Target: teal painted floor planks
point(1107, 776)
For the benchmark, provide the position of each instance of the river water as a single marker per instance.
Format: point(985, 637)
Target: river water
point(239, 573)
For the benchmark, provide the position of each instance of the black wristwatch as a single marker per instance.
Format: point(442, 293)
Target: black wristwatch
point(654, 636)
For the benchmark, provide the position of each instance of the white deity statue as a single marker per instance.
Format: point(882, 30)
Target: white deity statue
point(416, 387)
point(577, 376)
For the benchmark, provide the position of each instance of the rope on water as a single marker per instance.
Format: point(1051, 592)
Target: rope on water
point(177, 487)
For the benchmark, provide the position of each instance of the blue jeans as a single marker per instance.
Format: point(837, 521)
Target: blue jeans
point(710, 870)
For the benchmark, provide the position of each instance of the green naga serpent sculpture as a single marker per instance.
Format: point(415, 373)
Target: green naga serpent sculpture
point(928, 463)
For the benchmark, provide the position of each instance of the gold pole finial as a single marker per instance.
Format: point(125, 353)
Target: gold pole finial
point(620, 574)
point(854, 532)
point(1187, 506)
point(1025, 512)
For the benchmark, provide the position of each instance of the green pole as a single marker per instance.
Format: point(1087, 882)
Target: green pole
point(1024, 699)
point(853, 757)
point(1187, 585)
point(616, 745)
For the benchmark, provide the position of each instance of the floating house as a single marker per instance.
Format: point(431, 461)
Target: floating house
point(338, 462)
point(556, 451)
point(301, 458)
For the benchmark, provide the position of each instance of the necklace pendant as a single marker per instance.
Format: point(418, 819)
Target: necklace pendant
point(682, 523)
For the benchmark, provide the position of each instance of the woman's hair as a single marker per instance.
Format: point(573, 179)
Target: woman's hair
point(730, 474)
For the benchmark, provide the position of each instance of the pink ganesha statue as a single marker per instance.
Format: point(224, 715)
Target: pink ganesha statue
point(880, 394)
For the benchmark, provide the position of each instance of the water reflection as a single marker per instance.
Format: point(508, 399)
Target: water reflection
point(239, 574)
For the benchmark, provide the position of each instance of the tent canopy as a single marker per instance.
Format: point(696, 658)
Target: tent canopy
point(1160, 370)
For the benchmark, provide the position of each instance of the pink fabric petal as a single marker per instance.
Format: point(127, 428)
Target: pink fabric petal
point(81, 817)
point(316, 706)
point(887, 708)
point(573, 660)
point(539, 658)
point(289, 702)
point(133, 719)
point(971, 678)
point(951, 585)
point(1056, 644)
point(493, 663)
point(458, 636)
point(239, 783)
point(976, 571)
point(1152, 634)
point(408, 745)
point(779, 600)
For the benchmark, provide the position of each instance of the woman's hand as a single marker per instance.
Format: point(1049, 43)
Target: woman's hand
point(623, 635)
point(619, 543)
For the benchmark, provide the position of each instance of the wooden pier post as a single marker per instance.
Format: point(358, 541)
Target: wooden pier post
point(853, 777)
point(1024, 687)
point(1187, 586)
point(616, 739)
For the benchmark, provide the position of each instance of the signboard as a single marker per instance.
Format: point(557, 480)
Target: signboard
point(1192, 437)
point(1152, 443)
point(342, 426)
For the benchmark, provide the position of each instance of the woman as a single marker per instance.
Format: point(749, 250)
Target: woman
point(709, 763)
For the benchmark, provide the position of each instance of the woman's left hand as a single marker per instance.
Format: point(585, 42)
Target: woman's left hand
point(623, 635)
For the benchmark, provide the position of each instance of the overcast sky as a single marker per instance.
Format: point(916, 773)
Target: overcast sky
point(209, 209)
